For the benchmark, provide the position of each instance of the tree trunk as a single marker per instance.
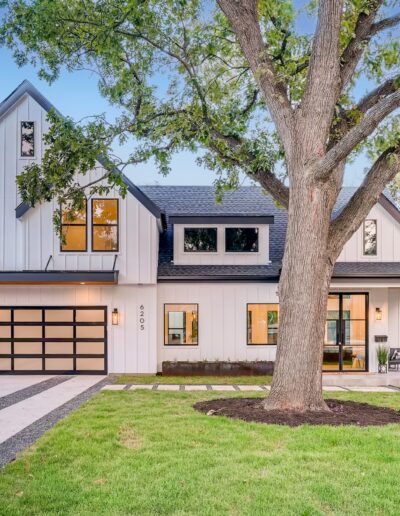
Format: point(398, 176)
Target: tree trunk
point(303, 293)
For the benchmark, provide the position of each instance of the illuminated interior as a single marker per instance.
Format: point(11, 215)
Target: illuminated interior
point(181, 325)
point(262, 323)
point(73, 229)
point(105, 224)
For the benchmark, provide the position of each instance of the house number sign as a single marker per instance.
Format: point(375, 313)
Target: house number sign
point(142, 319)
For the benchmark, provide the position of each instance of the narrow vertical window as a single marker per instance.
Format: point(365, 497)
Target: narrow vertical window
point(181, 325)
point(262, 324)
point(370, 238)
point(27, 139)
point(105, 225)
point(73, 229)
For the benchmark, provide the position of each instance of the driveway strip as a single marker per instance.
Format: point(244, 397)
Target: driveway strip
point(28, 392)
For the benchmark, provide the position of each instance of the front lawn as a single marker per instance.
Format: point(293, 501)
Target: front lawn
point(190, 380)
point(148, 453)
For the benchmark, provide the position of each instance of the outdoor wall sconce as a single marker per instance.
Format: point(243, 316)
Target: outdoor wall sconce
point(378, 314)
point(115, 317)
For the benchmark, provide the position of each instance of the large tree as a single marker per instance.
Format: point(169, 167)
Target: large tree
point(240, 83)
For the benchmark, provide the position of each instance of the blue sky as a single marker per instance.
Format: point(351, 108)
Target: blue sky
point(76, 95)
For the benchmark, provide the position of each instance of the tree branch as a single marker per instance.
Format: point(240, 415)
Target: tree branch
point(372, 98)
point(243, 17)
point(386, 23)
point(385, 168)
point(356, 135)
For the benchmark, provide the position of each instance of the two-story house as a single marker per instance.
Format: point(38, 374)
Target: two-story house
point(166, 274)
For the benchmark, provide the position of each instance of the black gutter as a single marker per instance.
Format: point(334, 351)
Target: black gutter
point(218, 279)
point(59, 277)
point(221, 219)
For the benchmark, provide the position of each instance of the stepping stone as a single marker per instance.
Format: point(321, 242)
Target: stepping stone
point(142, 386)
point(250, 388)
point(223, 388)
point(166, 387)
point(265, 387)
point(113, 388)
point(195, 387)
point(370, 389)
point(333, 388)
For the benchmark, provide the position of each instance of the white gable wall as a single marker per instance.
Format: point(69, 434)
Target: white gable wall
point(28, 243)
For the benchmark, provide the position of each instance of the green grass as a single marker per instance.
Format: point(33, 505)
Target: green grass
point(150, 453)
point(189, 380)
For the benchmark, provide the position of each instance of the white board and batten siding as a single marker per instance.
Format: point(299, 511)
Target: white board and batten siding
point(221, 257)
point(222, 320)
point(27, 244)
point(388, 240)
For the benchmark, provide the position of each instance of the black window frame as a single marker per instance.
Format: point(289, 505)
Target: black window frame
point(93, 225)
point(166, 329)
point(248, 318)
point(23, 156)
point(257, 250)
point(376, 238)
point(74, 225)
point(201, 228)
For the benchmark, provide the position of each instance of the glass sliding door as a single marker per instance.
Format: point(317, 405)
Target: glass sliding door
point(346, 333)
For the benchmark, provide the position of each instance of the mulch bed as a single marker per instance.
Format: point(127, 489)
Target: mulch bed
point(342, 413)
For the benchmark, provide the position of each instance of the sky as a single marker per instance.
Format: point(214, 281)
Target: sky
point(76, 95)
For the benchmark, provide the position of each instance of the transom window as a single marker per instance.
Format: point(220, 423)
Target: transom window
point(262, 323)
point(74, 229)
point(105, 225)
point(241, 240)
point(200, 240)
point(181, 325)
point(370, 241)
point(27, 139)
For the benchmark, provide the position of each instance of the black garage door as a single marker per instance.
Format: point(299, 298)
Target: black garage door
point(53, 340)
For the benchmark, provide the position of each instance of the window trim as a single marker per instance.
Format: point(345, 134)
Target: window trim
point(165, 327)
point(76, 225)
point(247, 325)
point(21, 156)
point(374, 255)
point(200, 227)
point(93, 225)
point(227, 251)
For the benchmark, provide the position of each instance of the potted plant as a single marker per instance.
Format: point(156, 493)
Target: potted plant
point(382, 353)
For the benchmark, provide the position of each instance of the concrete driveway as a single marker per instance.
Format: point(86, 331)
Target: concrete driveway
point(30, 405)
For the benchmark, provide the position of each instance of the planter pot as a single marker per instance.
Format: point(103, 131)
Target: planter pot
point(382, 368)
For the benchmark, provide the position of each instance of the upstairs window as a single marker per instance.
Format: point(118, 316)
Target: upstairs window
point(181, 325)
point(27, 139)
point(200, 240)
point(262, 324)
point(105, 225)
point(370, 240)
point(74, 229)
point(241, 240)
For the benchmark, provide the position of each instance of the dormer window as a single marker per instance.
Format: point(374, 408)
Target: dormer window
point(74, 229)
point(27, 139)
point(241, 240)
point(370, 240)
point(200, 240)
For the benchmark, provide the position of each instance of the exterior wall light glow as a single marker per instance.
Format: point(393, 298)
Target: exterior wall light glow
point(115, 317)
point(378, 314)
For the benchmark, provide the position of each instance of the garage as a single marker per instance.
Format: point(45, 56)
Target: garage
point(53, 340)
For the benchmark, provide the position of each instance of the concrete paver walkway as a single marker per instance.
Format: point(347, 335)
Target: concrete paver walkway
point(10, 384)
point(238, 388)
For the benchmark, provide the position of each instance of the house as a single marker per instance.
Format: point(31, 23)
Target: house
point(166, 274)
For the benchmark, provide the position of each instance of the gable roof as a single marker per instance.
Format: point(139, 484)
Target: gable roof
point(244, 202)
point(26, 88)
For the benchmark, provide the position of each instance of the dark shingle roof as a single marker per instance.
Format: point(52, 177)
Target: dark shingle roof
point(200, 200)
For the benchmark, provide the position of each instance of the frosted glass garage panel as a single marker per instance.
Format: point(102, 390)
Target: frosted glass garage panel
point(59, 316)
point(5, 348)
point(59, 348)
point(27, 332)
point(27, 364)
point(90, 348)
point(5, 332)
point(5, 315)
point(59, 332)
point(90, 332)
point(59, 364)
point(5, 364)
point(90, 316)
point(90, 364)
point(27, 315)
point(27, 348)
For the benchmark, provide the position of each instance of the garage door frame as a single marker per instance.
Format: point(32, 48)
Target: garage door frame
point(43, 340)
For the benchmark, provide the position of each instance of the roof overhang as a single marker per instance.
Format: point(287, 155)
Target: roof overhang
point(59, 278)
point(221, 219)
